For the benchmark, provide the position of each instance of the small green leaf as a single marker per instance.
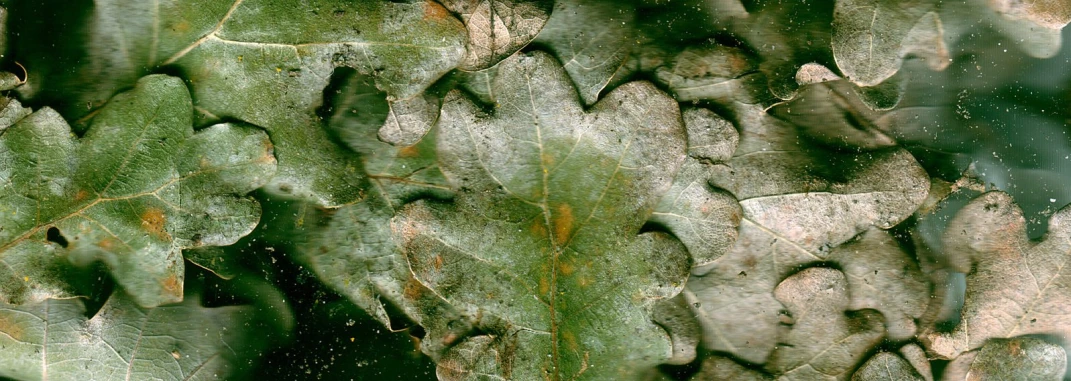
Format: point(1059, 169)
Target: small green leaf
point(138, 188)
point(592, 39)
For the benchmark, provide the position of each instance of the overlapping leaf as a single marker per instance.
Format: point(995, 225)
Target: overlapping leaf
point(498, 28)
point(835, 112)
point(350, 248)
point(715, 73)
point(267, 62)
point(786, 35)
point(1033, 26)
point(703, 218)
point(592, 39)
point(824, 343)
point(797, 204)
point(887, 366)
point(1020, 358)
point(54, 340)
point(1015, 287)
point(870, 38)
point(542, 241)
point(135, 191)
point(717, 367)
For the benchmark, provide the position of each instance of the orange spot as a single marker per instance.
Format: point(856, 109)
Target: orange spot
point(565, 268)
point(81, 195)
point(537, 229)
point(412, 290)
point(548, 161)
point(738, 64)
point(410, 151)
point(563, 223)
point(434, 11)
point(570, 341)
point(1015, 348)
point(172, 284)
point(544, 286)
point(438, 262)
point(181, 26)
point(751, 261)
point(12, 328)
point(155, 222)
point(107, 244)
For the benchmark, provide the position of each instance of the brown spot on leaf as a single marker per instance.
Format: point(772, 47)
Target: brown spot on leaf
point(412, 290)
point(547, 159)
point(181, 26)
point(435, 12)
point(563, 223)
point(438, 262)
point(172, 284)
point(584, 281)
point(154, 221)
point(566, 268)
point(537, 228)
point(570, 341)
point(410, 151)
point(106, 244)
point(1015, 348)
point(12, 328)
point(751, 261)
point(544, 286)
point(81, 195)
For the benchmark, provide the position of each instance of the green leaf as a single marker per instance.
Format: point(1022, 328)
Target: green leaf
point(1020, 358)
point(267, 62)
point(350, 248)
point(542, 242)
point(592, 39)
point(135, 191)
point(53, 339)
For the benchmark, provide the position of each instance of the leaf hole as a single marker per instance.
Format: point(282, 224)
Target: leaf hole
point(53, 235)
